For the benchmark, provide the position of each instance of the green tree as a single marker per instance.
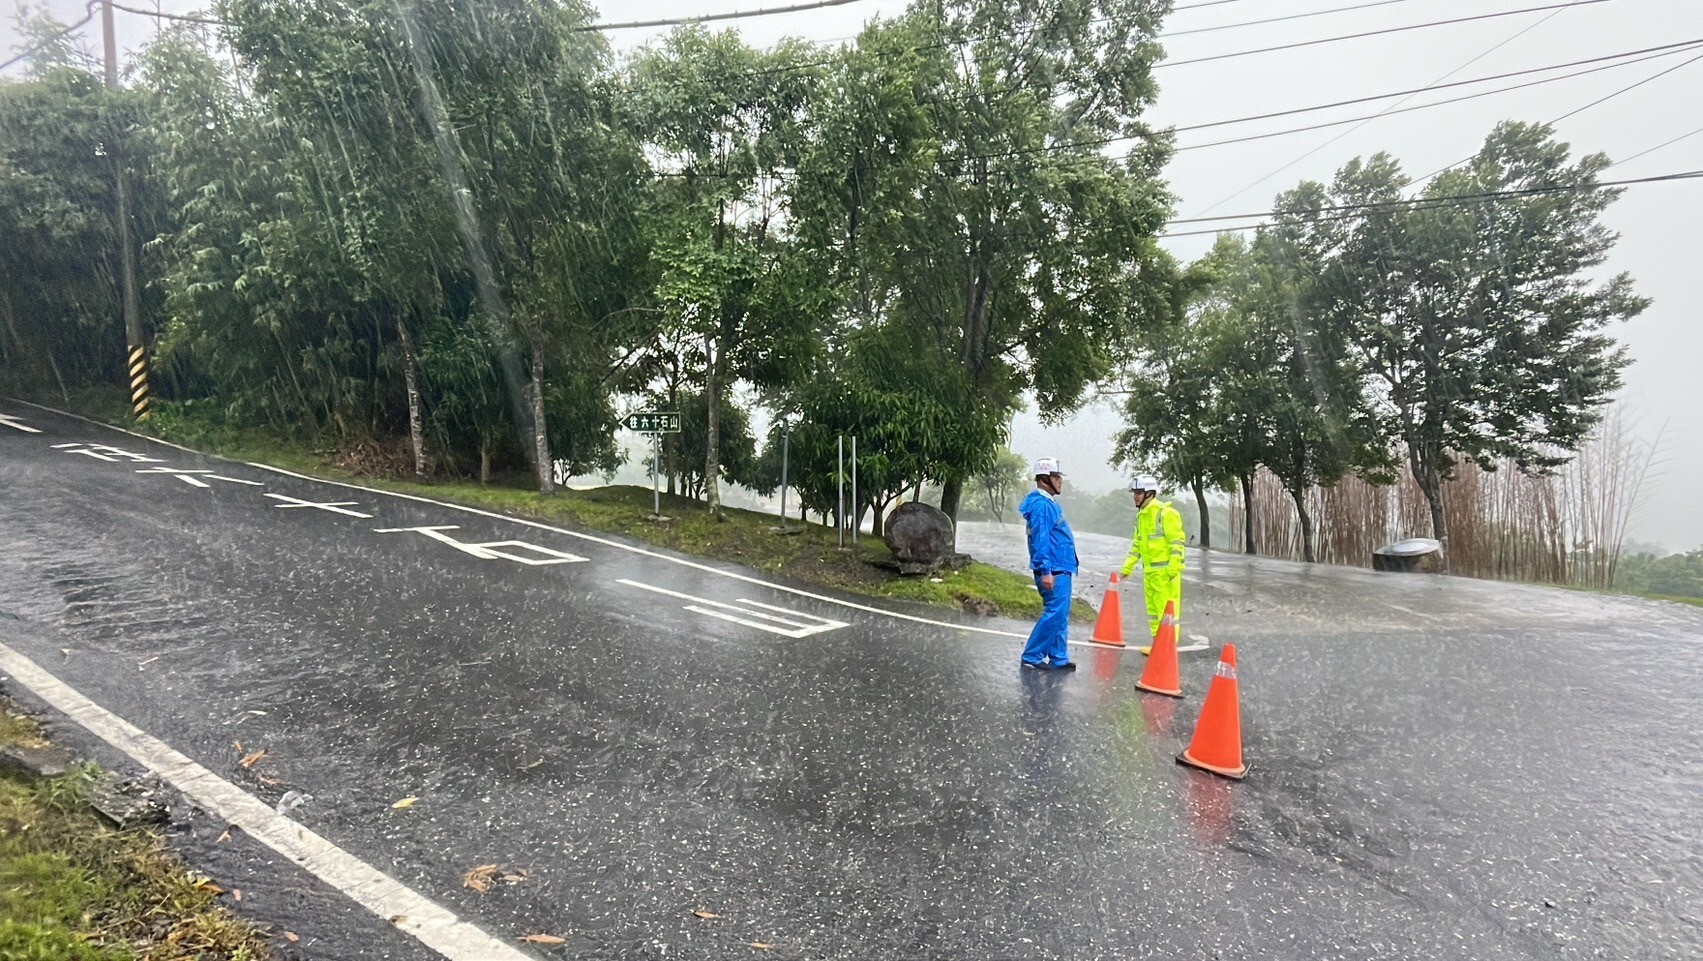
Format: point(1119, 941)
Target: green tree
point(722, 119)
point(1000, 483)
point(1480, 320)
point(958, 174)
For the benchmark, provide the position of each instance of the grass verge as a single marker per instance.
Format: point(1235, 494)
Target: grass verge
point(72, 888)
point(811, 555)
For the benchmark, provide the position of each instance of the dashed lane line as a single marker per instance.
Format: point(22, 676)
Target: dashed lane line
point(384, 896)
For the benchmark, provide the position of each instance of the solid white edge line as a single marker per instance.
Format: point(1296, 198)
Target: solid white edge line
point(431, 924)
point(587, 537)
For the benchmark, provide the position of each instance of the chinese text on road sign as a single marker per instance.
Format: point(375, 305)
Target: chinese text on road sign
point(653, 422)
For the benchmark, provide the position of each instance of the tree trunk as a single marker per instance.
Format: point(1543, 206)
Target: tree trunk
point(540, 427)
point(1247, 481)
point(484, 461)
point(411, 376)
point(1431, 485)
point(1439, 523)
point(1300, 498)
point(878, 521)
point(1205, 518)
point(712, 435)
point(951, 492)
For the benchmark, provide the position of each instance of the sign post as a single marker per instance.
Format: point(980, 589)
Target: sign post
point(655, 423)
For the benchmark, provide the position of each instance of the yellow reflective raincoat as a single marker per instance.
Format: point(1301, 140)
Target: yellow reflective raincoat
point(1158, 548)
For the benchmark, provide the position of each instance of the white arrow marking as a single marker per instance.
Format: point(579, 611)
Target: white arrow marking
point(335, 507)
point(17, 424)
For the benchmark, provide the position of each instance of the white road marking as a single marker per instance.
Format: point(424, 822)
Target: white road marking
point(108, 453)
point(488, 550)
point(186, 475)
point(581, 535)
point(796, 625)
point(335, 507)
point(434, 926)
point(17, 424)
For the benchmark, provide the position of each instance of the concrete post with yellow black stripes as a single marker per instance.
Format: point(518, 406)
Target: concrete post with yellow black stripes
point(139, 382)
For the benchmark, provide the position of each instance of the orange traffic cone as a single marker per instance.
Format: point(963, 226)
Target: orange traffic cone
point(1109, 629)
point(1217, 744)
point(1161, 675)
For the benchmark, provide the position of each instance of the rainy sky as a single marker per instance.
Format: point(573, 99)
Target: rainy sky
point(1661, 225)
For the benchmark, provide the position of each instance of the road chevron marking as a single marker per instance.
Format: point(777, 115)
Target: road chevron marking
point(617, 545)
point(431, 924)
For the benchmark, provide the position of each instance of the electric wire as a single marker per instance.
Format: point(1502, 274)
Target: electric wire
point(45, 42)
point(1528, 28)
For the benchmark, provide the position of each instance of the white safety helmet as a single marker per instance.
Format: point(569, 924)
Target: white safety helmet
point(1144, 482)
point(1046, 466)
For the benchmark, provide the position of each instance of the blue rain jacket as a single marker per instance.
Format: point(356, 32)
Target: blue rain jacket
point(1052, 547)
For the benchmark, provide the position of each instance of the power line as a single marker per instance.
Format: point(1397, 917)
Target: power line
point(1372, 33)
point(162, 15)
point(1353, 211)
point(1597, 102)
point(1292, 16)
point(1444, 86)
point(734, 15)
point(1641, 56)
point(1528, 28)
point(1665, 143)
point(1437, 103)
point(45, 42)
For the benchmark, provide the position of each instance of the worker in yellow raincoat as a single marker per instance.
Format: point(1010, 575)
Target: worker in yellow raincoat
point(1158, 548)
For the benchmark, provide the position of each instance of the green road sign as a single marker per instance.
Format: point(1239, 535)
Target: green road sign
point(653, 422)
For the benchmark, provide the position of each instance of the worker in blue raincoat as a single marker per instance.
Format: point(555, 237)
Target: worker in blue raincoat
point(1052, 558)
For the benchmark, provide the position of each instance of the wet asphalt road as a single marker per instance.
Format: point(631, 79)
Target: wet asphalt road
point(1441, 768)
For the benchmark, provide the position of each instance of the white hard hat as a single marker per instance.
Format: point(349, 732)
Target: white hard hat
point(1144, 482)
point(1047, 465)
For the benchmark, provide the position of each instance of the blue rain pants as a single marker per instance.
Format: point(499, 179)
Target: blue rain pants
point(1047, 640)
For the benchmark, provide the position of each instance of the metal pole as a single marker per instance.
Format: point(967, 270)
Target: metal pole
point(856, 510)
point(840, 512)
point(137, 361)
point(656, 475)
point(786, 445)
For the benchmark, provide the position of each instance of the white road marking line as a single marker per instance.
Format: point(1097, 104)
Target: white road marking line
point(369, 887)
point(63, 446)
point(592, 538)
point(17, 424)
point(236, 480)
point(804, 625)
point(335, 507)
point(487, 551)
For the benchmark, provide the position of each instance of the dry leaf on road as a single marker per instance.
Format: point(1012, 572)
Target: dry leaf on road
point(479, 879)
point(405, 803)
point(706, 915)
point(253, 759)
point(290, 936)
point(515, 877)
point(224, 837)
point(543, 939)
point(762, 945)
point(236, 894)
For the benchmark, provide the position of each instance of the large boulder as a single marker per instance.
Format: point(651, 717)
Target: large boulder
point(921, 538)
point(1414, 555)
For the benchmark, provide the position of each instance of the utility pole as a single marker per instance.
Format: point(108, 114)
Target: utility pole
point(138, 355)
